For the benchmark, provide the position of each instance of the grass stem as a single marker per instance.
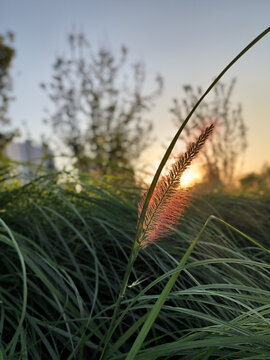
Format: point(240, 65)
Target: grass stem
point(162, 298)
point(112, 327)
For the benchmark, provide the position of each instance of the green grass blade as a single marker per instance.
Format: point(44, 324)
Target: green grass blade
point(162, 298)
point(13, 341)
point(174, 140)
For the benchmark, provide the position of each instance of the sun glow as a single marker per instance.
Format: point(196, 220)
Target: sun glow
point(190, 177)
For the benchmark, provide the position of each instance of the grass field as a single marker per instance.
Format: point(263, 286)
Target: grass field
point(64, 253)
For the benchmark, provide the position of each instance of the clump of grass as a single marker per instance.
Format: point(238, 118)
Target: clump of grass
point(75, 247)
point(166, 205)
point(150, 226)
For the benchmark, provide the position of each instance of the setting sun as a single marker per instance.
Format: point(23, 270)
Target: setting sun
point(190, 177)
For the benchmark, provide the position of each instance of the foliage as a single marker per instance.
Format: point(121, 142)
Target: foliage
point(75, 248)
point(256, 181)
point(223, 152)
point(100, 113)
point(7, 54)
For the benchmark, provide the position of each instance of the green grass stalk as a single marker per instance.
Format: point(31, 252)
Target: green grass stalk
point(136, 247)
point(131, 261)
point(12, 344)
point(174, 140)
point(162, 298)
point(164, 294)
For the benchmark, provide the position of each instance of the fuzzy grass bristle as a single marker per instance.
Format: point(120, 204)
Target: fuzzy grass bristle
point(168, 200)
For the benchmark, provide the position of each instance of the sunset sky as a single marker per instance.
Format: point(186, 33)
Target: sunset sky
point(186, 41)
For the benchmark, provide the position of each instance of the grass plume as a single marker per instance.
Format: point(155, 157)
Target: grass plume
point(168, 201)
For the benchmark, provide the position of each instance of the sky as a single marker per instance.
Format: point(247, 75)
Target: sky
point(186, 41)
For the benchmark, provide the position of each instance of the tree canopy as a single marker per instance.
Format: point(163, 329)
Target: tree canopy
point(7, 54)
point(99, 111)
point(224, 150)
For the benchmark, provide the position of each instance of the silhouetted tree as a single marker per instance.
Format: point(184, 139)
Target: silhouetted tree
point(224, 149)
point(7, 54)
point(257, 181)
point(99, 112)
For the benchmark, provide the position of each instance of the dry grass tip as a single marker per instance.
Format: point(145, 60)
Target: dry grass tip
point(169, 200)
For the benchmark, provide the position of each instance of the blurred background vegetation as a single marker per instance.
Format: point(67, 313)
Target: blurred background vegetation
point(98, 116)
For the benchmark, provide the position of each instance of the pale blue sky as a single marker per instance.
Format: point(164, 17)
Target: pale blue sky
point(187, 41)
